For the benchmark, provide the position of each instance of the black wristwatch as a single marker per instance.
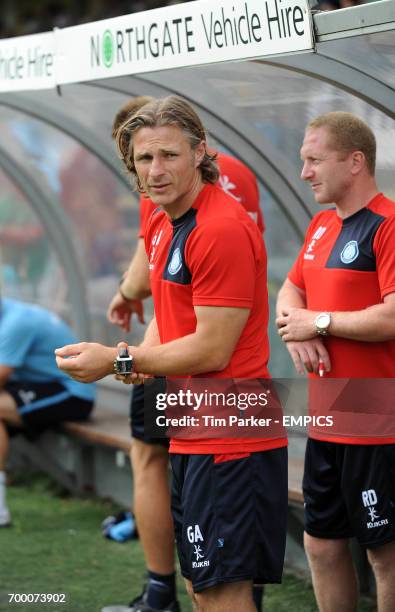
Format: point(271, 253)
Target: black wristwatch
point(123, 364)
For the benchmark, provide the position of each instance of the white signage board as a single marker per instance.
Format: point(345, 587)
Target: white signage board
point(186, 34)
point(27, 62)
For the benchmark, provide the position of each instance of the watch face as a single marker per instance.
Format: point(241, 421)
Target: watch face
point(124, 365)
point(323, 320)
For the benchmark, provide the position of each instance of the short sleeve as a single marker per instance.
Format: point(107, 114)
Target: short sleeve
point(223, 264)
point(384, 247)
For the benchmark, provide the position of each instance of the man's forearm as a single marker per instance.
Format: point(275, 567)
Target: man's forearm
point(151, 336)
point(208, 349)
point(136, 284)
point(132, 289)
point(289, 296)
point(374, 324)
point(185, 356)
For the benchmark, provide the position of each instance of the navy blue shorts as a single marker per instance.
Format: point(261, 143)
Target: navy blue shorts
point(349, 491)
point(136, 412)
point(230, 517)
point(44, 405)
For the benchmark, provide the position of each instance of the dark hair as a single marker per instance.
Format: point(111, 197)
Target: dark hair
point(349, 133)
point(171, 110)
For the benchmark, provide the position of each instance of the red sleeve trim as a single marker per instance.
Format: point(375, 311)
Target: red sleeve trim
point(387, 290)
point(225, 301)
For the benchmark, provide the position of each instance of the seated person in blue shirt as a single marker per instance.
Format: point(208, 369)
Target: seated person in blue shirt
point(34, 393)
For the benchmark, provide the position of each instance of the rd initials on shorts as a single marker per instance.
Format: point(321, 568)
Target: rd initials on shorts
point(369, 498)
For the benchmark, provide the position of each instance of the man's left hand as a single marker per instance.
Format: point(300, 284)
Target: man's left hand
point(296, 324)
point(86, 361)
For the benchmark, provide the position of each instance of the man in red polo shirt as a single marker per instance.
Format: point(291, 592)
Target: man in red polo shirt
point(208, 279)
point(149, 455)
point(336, 313)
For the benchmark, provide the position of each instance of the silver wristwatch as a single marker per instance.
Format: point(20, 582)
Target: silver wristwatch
point(322, 323)
point(123, 364)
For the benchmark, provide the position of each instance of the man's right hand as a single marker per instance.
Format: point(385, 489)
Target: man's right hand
point(120, 311)
point(308, 354)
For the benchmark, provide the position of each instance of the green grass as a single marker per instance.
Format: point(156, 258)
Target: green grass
point(56, 546)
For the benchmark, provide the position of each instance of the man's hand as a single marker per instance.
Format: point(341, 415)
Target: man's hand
point(120, 311)
point(308, 355)
point(296, 324)
point(87, 361)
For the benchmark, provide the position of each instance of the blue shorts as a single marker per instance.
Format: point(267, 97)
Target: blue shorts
point(349, 490)
point(230, 517)
point(44, 405)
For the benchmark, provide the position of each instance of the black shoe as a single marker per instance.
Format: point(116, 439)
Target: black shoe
point(139, 604)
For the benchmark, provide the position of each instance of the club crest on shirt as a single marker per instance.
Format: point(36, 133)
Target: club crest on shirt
point(175, 262)
point(350, 252)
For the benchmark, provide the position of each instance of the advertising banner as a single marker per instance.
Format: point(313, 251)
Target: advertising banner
point(27, 62)
point(187, 34)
